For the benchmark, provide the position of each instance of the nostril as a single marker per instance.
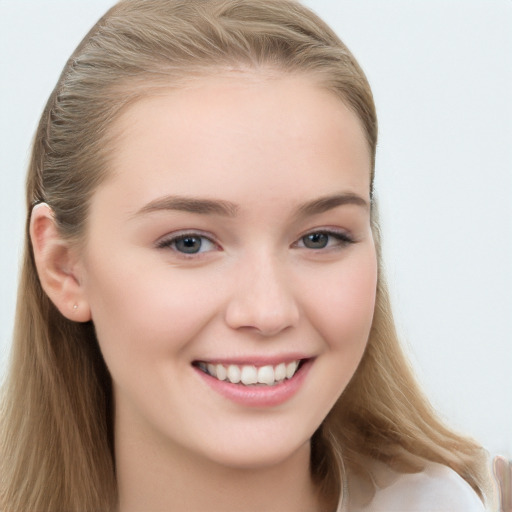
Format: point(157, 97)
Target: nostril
point(258, 317)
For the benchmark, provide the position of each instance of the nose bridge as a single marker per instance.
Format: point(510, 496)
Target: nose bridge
point(262, 297)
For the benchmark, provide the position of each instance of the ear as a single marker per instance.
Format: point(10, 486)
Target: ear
point(58, 266)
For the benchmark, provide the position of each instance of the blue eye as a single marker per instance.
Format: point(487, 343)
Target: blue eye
point(324, 239)
point(190, 243)
point(315, 240)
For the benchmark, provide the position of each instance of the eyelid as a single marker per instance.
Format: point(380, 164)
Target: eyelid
point(343, 236)
point(166, 241)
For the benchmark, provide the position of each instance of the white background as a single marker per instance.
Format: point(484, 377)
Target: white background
point(441, 72)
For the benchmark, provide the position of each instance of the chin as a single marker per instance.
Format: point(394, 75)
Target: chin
point(256, 455)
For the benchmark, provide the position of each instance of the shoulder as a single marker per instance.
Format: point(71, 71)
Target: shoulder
point(436, 489)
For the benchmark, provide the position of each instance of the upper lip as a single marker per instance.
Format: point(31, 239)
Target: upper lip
point(256, 360)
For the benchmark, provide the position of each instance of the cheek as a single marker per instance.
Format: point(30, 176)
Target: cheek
point(145, 313)
point(348, 303)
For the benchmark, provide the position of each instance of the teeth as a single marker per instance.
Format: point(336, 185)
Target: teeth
point(221, 372)
point(212, 370)
point(234, 374)
point(249, 374)
point(280, 372)
point(291, 368)
point(266, 375)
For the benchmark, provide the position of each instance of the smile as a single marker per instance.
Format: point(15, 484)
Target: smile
point(250, 375)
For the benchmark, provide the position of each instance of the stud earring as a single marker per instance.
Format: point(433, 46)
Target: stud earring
point(75, 306)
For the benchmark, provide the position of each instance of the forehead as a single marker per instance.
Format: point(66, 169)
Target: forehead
point(239, 127)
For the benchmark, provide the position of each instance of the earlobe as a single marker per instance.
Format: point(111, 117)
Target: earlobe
point(57, 266)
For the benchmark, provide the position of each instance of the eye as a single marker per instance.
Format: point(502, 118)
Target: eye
point(324, 240)
point(188, 243)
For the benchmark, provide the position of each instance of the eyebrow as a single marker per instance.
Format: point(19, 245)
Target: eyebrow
point(192, 205)
point(229, 209)
point(327, 203)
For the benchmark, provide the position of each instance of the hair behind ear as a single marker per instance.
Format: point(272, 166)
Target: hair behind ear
point(58, 389)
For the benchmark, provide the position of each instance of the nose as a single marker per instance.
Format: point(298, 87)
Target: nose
point(262, 298)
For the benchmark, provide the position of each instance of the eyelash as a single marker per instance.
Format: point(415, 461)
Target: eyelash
point(342, 240)
point(341, 237)
point(170, 243)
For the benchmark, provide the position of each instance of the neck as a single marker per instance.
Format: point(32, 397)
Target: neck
point(165, 477)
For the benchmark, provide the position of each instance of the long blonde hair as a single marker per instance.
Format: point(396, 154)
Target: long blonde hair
point(56, 441)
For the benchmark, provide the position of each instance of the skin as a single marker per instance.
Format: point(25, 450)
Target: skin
point(255, 290)
point(503, 473)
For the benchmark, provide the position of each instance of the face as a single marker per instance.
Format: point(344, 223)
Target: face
point(230, 267)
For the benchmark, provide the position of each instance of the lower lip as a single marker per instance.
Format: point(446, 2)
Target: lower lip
point(259, 395)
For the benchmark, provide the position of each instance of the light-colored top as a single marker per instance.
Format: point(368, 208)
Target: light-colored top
point(436, 489)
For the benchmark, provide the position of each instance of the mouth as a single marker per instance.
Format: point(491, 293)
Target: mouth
point(251, 375)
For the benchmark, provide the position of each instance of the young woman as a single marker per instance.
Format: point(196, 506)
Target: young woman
point(202, 321)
